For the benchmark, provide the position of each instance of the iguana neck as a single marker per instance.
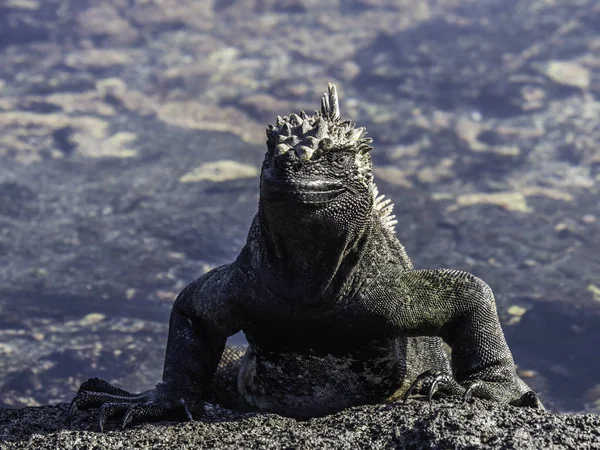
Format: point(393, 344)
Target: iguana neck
point(310, 263)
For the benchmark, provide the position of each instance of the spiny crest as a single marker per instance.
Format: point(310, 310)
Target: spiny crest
point(303, 133)
point(330, 105)
point(384, 207)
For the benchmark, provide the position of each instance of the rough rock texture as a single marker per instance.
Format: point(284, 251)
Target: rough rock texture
point(418, 425)
point(485, 116)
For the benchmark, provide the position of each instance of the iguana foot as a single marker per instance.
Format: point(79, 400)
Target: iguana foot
point(529, 399)
point(152, 405)
point(430, 381)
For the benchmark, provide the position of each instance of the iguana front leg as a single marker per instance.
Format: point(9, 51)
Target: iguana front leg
point(202, 318)
point(460, 308)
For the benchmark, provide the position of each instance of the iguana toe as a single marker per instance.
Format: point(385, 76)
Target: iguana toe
point(468, 395)
point(114, 401)
point(529, 399)
point(429, 382)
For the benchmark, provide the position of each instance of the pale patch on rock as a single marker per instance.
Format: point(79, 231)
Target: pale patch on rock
point(96, 58)
point(533, 98)
point(595, 290)
point(21, 4)
point(168, 296)
point(554, 194)
point(195, 115)
point(186, 114)
point(393, 175)
point(469, 131)
point(217, 171)
point(528, 373)
point(26, 133)
point(92, 318)
point(569, 73)
point(511, 201)
point(131, 99)
point(6, 349)
point(437, 173)
point(516, 310)
point(207, 268)
point(88, 102)
point(115, 146)
point(589, 219)
point(411, 150)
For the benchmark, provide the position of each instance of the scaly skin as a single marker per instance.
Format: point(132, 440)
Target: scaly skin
point(334, 313)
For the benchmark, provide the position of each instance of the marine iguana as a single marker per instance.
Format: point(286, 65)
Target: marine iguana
point(334, 313)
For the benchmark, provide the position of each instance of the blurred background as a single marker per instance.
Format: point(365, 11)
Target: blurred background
point(132, 133)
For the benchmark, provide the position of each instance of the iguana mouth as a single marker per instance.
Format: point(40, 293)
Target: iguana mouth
point(309, 192)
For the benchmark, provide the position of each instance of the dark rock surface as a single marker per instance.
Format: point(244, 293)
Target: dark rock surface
point(417, 425)
point(131, 134)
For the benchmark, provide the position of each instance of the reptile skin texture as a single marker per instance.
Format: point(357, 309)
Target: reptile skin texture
point(334, 313)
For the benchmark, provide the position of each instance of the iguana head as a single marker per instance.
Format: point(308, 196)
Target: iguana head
point(317, 169)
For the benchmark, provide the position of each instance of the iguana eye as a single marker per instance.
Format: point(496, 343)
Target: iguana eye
point(342, 159)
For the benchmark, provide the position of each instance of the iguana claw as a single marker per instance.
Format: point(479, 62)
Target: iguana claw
point(150, 405)
point(469, 392)
point(429, 382)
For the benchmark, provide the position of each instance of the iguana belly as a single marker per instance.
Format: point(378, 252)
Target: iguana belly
point(303, 385)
